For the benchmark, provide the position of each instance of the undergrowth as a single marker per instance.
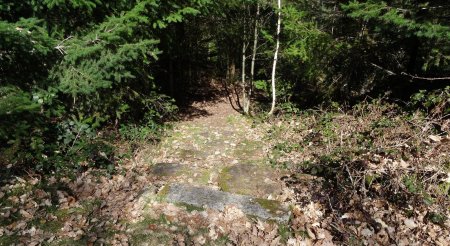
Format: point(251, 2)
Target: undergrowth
point(374, 150)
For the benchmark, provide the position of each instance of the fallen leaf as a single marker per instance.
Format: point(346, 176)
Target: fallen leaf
point(410, 223)
point(404, 164)
point(25, 214)
point(435, 138)
point(366, 232)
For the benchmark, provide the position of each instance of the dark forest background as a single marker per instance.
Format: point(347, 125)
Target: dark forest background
point(74, 72)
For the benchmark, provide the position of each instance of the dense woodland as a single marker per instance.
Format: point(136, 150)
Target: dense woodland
point(72, 68)
point(82, 78)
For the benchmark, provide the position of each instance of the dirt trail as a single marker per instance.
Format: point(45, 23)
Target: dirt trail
point(222, 143)
point(220, 150)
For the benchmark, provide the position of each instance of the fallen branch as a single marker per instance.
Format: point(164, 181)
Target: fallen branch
point(409, 75)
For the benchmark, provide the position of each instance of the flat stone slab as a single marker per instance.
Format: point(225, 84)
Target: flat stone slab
point(250, 179)
point(166, 169)
point(209, 198)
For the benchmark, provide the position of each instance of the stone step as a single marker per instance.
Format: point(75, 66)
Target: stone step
point(206, 197)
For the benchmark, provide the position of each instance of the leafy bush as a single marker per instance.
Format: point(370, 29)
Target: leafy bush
point(437, 102)
point(141, 133)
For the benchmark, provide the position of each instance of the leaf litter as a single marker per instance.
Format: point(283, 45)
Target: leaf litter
point(373, 196)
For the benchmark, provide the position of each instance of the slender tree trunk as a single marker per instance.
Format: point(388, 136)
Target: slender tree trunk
point(332, 22)
point(243, 82)
point(233, 81)
point(245, 94)
point(252, 67)
point(231, 70)
point(230, 81)
point(275, 59)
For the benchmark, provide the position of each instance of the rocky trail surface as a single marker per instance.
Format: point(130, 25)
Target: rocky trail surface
point(215, 185)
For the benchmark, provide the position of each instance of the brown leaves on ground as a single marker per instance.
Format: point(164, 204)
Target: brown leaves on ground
point(372, 176)
point(377, 175)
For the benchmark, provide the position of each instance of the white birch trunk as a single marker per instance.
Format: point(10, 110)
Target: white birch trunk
point(275, 59)
point(252, 67)
point(243, 82)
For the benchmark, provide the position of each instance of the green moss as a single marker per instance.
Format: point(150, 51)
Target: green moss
point(149, 238)
point(8, 240)
point(224, 177)
point(70, 242)
point(189, 153)
point(270, 205)
point(62, 213)
point(371, 178)
point(13, 217)
point(176, 135)
point(203, 178)
point(86, 207)
point(231, 119)
point(285, 233)
point(20, 190)
point(49, 226)
point(162, 194)
point(141, 232)
point(189, 207)
point(248, 149)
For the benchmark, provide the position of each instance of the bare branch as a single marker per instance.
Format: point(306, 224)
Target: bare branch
point(409, 75)
point(60, 47)
point(424, 78)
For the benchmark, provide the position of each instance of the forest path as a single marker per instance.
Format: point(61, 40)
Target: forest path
point(220, 151)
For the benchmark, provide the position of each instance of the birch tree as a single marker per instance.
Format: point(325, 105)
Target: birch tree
point(245, 94)
point(275, 59)
point(252, 66)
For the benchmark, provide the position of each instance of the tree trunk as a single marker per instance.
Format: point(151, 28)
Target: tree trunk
point(245, 99)
point(252, 67)
point(231, 70)
point(245, 94)
point(275, 59)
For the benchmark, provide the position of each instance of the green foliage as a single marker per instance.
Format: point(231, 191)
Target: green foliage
point(345, 51)
point(14, 101)
point(76, 4)
point(89, 61)
point(381, 12)
point(71, 68)
point(403, 36)
point(29, 55)
point(436, 102)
